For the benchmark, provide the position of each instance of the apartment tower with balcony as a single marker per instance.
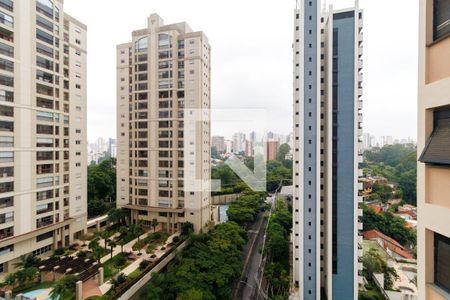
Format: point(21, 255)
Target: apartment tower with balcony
point(327, 151)
point(433, 148)
point(43, 176)
point(163, 72)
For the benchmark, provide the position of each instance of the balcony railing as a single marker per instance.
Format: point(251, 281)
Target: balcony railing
point(7, 4)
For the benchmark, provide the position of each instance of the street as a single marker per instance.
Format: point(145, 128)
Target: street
point(248, 285)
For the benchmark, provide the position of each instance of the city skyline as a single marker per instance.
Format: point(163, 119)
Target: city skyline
point(233, 79)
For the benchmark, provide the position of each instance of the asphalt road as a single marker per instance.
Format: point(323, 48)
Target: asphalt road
point(248, 285)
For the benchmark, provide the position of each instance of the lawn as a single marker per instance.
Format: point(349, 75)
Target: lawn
point(367, 245)
point(115, 265)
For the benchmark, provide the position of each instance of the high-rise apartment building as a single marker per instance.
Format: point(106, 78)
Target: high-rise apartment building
point(219, 143)
point(433, 188)
point(272, 150)
point(327, 128)
point(239, 142)
point(43, 193)
point(163, 72)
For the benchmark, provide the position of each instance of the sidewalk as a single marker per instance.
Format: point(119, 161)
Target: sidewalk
point(134, 265)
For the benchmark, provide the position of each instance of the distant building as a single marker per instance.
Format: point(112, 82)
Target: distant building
point(218, 142)
point(391, 246)
point(228, 146)
point(112, 148)
point(249, 152)
point(272, 150)
point(238, 142)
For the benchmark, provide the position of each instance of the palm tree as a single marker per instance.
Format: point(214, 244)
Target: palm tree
point(30, 273)
point(138, 230)
point(121, 242)
point(112, 244)
point(64, 286)
point(10, 280)
point(106, 235)
point(94, 246)
point(154, 224)
point(27, 261)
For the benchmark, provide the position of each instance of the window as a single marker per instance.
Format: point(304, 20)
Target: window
point(441, 19)
point(6, 19)
point(42, 250)
point(44, 23)
point(45, 7)
point(44, 236)
point(6, 65)
point(44, 116)
point(442, 261)
point(6, 202)
point(6, 157)
point(436, 150)
point(44, 36)
point(44, 142)
point(141, 45)
point(164, 41)
point(6, 250)
point(6, 49)
point(6, 217)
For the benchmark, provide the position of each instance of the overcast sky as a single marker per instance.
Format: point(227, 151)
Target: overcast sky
point(252, 57)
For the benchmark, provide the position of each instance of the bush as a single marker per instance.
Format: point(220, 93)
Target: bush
point(153, 256)
point(82, 254)
point(175, 239)
point(144, 264)
point(60, 251)
point(120, 261)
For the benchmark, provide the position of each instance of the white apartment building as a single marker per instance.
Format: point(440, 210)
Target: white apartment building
point(43, 178)
point(163, 72)
point(327, 151)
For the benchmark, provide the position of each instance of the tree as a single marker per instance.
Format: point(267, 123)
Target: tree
point(373, 262)
point(63, 287)
point(105, 236)
point(118, 280)
point(192, 294)
point(187, 228)
point(388, 224)
point(117, 215)
point(121, 243)
point(154, 224)
point(10, 280)
point(94, 246)
point(27, 261)
point(282, 151)
point(112, 244)
point(101, 187)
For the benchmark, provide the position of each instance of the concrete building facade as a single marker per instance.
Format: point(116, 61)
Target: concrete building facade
point(433, 170)
point(327, 152)
point(43, 196)
point(162, 73)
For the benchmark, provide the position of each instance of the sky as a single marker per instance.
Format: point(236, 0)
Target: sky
point(251, 43)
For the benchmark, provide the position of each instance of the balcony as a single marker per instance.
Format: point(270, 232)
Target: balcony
point(44, 90)
point(44, 129)
point(6, 35)
point(6, 20)
point(7, 187)
point(44, 222)
point(6, 218)
point(7, 4)
point(6, 233)
point(6, 172)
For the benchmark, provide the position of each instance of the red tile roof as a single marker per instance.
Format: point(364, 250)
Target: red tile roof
point(388, 243)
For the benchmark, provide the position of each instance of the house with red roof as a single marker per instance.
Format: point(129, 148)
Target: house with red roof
point(391, 246)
